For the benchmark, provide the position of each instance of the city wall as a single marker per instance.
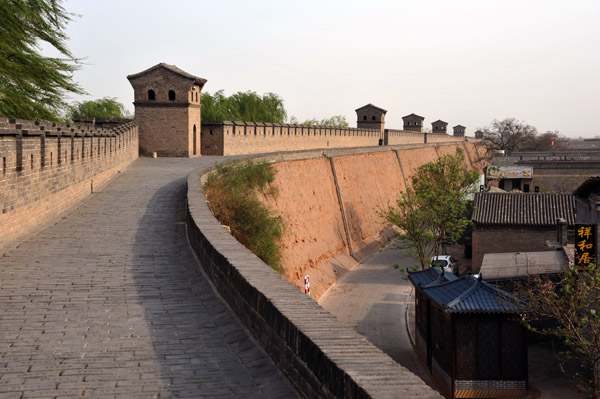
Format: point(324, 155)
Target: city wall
point(333, 213)
point(235, 138)
point(45, 168)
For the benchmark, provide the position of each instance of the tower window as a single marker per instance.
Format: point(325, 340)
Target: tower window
point(151, 95)
point(171, 95)
point(373, 117)
point(364, 117)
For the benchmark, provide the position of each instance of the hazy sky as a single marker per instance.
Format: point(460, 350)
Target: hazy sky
point(465, 62)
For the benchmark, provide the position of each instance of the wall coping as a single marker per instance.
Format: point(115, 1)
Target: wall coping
point(322, 356)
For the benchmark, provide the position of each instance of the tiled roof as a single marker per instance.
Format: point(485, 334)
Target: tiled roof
point(171, 68)
point(589, 186)
point(369, 105)
point(470, 295)
point(413, 116)
point(430, 277)
point(439, 122)
point(525, 209)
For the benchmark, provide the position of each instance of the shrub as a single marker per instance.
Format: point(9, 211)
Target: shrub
point(233, 192)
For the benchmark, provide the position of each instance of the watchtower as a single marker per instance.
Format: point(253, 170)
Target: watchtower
point(167, 108)
point(413, 123)
point(459, 131)
point(370, 117)
point(439, 126)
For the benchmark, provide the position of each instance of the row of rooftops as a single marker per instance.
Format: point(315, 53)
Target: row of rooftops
point(467, 294)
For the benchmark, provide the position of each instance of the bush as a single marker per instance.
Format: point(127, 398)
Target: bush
point(233, 193)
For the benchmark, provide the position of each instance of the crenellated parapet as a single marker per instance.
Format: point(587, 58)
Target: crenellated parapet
point(47, 167)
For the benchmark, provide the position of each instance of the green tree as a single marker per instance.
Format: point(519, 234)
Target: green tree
point(336, 120)
point(33, 86)
point(433, 210)
point(243, 106)
point(574, 303)
point(102, 108)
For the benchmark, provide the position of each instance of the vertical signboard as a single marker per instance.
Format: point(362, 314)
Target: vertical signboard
point(585, 245)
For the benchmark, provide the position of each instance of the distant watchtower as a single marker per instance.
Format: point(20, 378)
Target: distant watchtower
point(459, 131)
point(167, 108)
point(413, 123)
point(439, 126)
point(370, 117)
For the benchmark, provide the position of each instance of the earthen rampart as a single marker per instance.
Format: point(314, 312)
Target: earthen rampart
point(45, 168)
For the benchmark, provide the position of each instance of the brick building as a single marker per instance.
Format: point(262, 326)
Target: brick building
point(439, 126)
point(459, 130)
point(517, 222)
point(167, 109)
point(370, 117)
point(413, 123)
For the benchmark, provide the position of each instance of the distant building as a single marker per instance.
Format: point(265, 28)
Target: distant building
point(478, 134)
point(439, 126)
point(413, 123)
point(509, 178)
point(459, 131)
point(370, 117)
point(518, 222)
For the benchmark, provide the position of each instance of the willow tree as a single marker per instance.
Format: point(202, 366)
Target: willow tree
point(243, 106)
point(33, 86)
point(102, 108)
point(433, 210)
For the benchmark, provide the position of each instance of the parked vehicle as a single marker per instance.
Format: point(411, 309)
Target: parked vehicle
point(446, 262)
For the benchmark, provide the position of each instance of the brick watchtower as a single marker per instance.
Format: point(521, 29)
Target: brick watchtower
point(413, 123)
point(459, 131)
point(167, 108)
point(439, 126)
point(370, 117)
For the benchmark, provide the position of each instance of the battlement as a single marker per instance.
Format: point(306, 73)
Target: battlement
point(47, 167)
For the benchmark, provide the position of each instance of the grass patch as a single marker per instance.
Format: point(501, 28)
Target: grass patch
point(233, 192)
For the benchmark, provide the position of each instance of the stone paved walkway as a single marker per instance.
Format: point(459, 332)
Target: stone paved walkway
point(373, 298)
point(108, 302)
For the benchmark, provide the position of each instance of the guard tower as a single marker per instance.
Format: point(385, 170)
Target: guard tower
point(413, 123)
point(439, 126)
point(370, 117)
point(459, 131)
point(167, 108)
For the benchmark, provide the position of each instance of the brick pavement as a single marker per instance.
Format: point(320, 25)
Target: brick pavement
point(109, 302)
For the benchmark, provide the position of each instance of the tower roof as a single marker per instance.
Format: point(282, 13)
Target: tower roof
point(457, 126)
point(439, 122)
point(369, 105)
point(171, 68)
point(413, 116)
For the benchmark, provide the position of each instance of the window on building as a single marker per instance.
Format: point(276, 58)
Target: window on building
point(171, 95)
point(364, 117)
point(151, 95)
point(373, 117)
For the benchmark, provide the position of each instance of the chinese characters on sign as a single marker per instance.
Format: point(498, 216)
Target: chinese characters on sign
point(585, 245)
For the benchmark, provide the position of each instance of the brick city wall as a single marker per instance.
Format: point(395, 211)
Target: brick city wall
point(45, 168)
point(234, 138)
point(322, 357)
point(499, 240)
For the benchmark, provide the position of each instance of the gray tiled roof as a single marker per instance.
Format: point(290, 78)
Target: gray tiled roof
point(429, 277)
point(470, 295)
point(529, 209)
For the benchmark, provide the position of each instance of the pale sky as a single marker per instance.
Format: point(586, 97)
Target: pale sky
point(465, 62)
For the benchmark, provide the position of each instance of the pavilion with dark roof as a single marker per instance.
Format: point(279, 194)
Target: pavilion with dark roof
point(469, 335)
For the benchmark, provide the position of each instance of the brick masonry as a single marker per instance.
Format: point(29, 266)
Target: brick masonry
point(499, 240)
point(235, 138)
point(45, 168)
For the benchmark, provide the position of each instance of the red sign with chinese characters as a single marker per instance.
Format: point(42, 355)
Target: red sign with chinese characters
point(585, 245)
